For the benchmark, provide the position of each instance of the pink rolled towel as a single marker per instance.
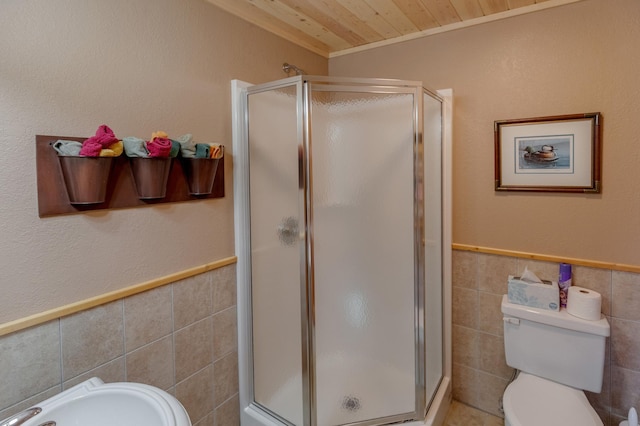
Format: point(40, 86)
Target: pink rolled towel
point(90, 149)
point(103, 138)
point(159, 147)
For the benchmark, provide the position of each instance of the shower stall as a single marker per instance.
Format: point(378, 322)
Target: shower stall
point(342, 241)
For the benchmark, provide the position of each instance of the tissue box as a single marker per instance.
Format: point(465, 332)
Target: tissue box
point(545, 295)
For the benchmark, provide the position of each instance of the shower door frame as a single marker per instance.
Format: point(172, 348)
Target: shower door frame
point(369, 86)
point(303, 102)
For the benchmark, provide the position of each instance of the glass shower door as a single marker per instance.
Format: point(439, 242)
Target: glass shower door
point(366, 242)
point(276, 251)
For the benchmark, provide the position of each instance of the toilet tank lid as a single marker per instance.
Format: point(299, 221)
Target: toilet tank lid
point(561, 319)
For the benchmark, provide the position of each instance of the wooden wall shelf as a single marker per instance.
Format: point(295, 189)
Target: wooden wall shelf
point(121, 191)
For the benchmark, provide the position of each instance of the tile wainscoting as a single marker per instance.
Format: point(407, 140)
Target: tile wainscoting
point(180, 337)
point(480, 373)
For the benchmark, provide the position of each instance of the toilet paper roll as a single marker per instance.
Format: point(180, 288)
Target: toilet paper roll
point(584, 303)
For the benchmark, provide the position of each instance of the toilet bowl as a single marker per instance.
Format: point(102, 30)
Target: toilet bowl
point(533, 401)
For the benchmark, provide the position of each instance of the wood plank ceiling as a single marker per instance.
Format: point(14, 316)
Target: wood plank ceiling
point(335, 27)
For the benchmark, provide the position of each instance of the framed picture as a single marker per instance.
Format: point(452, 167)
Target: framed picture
point(548, 154)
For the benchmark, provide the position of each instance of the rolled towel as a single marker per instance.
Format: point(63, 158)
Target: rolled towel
point(103, 138)
point(135, 147)
point(175, 149)
point(91, 148)
point(117, 148)
point(159, 147)
point(159, 134)
point(114, 150)
point(203, 150)
point(187, 146)
point(217, 150)
point(67, 148)
point(105, 135)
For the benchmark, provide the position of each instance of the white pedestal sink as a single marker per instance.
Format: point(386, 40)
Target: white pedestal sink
point(96, 403)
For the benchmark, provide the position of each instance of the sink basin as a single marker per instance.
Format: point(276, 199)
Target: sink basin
point(96, 403)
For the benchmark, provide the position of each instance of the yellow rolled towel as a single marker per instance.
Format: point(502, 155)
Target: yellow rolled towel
point(113, 150)
point(159, 134)
point(216, 150)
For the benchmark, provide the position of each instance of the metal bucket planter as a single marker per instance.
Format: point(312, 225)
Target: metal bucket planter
point(200, 174)
point(150, 176)
point(86, 178)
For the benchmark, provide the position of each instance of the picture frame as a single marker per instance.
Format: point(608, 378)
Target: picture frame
point(559, 153)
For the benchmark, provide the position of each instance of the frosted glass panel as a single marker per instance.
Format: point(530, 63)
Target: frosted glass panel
point(362, 151)
point(275, 251)
point(433, 241)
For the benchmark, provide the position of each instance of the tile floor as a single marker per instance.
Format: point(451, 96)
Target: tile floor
point(462, 415)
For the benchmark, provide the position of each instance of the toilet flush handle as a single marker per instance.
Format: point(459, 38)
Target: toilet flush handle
point(511, 320)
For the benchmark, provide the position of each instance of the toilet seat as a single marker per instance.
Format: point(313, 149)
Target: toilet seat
point(532, 401)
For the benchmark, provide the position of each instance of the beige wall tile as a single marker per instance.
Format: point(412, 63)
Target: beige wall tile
point(625, 295)
point(228, 413)
point(191, 300)
point(30, 402)
point(223, 283)
point(193, 348)
point(147, 317)
point(490, 315)
point(91, 338)
point(225, 373)
point(602, 400)
point(30, 362)
point(209, 420)
point(196, 394)
point(463, 415)
point(152, 364)
point(492, 358)
point(465, 307)
point(597, 280)
point(465, 384)
point(604, 416)
point(111, 372)
point(625, 390)
point(490, 389)
point(464, 265)
point(465, 346)
point(493, 272)
point(615, 420)
point(225, 327)
point(625, 344)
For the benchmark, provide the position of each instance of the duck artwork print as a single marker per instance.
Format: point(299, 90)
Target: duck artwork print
point(544, 154)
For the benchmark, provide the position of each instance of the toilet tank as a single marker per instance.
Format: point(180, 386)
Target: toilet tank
point(555, 345)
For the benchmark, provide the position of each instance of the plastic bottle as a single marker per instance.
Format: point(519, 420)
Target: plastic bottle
point(564, 282)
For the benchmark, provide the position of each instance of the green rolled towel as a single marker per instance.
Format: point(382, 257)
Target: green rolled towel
point(135, 147)
point(187, 146)
point(67, 148)
point(203, 150)
point(175, 149)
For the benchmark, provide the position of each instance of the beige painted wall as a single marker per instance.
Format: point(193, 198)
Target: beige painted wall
point(67, 67)
point(577, 58)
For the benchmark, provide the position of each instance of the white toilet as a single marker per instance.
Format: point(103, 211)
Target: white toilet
point(558, 356)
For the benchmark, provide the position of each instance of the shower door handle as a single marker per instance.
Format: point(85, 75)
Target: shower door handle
point(288, 231)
